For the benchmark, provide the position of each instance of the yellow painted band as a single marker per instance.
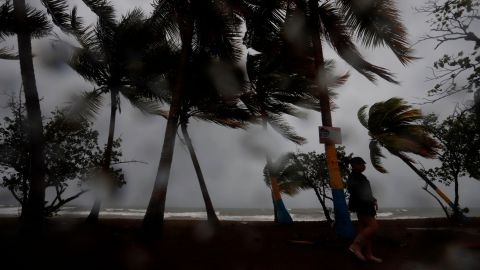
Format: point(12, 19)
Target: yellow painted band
point(332, 165)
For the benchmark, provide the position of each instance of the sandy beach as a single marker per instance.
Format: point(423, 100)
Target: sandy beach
point(117, 244)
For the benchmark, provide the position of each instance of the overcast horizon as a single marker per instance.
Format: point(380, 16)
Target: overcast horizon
point(232, 160)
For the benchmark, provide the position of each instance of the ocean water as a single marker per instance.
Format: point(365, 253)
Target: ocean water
point(239, 214)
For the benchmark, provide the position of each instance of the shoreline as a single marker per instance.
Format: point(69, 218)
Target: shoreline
point(117, 243)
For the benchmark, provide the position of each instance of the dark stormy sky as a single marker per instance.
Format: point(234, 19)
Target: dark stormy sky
point(232, 160)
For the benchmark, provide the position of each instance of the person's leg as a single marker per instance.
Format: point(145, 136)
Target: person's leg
point(369, 233)
point(359, 241)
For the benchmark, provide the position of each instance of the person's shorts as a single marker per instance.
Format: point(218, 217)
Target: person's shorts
point(364, 209)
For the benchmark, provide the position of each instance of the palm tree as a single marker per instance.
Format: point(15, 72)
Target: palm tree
point(28, 23)
point(270, 98)
point(213, 104)
point(118, 58)
point(207, 24)
point(393, 125)
point(218, 112)
point(375, 23)
point(275, 88)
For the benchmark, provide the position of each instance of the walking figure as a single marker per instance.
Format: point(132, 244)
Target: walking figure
point(365, 205)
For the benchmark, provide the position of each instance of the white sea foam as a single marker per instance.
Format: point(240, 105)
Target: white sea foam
point(242, 215)
point(247, 218)
point(10, 211)
point(384, 214)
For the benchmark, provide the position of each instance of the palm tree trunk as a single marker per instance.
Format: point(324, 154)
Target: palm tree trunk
point(280, 212)
point(343, 224)
point(431, 184)
point(444, 208)
point(33, 214)
point(94, 212)
point(212, 217)
point(153, 220)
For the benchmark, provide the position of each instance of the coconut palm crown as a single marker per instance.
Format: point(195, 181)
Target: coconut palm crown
point(393, 124)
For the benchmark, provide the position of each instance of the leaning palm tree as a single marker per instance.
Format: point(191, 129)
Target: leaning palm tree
point(212, 105)
point(118, 58)
point(393, 125)
point(220, 113)
point(207, 24)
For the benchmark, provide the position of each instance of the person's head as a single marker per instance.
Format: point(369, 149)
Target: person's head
point(358, 164)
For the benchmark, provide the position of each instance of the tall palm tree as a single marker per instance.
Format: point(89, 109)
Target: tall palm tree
point(34, 209)
point(375, 23)
point(393, 125)
point(27, 23)
point(118, 58)
point(206, 24)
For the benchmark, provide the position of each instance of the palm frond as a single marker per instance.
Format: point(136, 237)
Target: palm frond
point(163, 21)
point(76, 22)
point(331, 80)
point(264, 20)
point(7, 20)
point(288, 173)
point(104, 10)
point(88, 64)
point(8, 54)
point(284, 129)
point(278, 107)
point(84, 106)
point(378, 23)
point(376, 155)
point(219, 120)
point(58, 10)
point(216, 30)
point(145, 105)
point(37, 23)
point(336, 33)
point(421, 145)
point(362, 116)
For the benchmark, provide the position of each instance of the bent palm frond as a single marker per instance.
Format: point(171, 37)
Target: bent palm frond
point(58, 12)
point(337, 34)
point(376, 155)
point(377, 23)
point(8, 54)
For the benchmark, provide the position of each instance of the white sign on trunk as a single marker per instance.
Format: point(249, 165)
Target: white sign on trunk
point(330, 135)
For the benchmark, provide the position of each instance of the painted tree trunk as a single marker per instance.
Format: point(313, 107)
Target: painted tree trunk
point(94, 212)
point(33, 213)
point(280, 212)
point(153, 220)
point(343, 224)
point(212, 217)
point(442, 195)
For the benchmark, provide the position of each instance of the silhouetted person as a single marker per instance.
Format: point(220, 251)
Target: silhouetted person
point(365, 205)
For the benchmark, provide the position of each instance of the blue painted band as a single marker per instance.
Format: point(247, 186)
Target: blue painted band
point(283, 217)
point(343, 223)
